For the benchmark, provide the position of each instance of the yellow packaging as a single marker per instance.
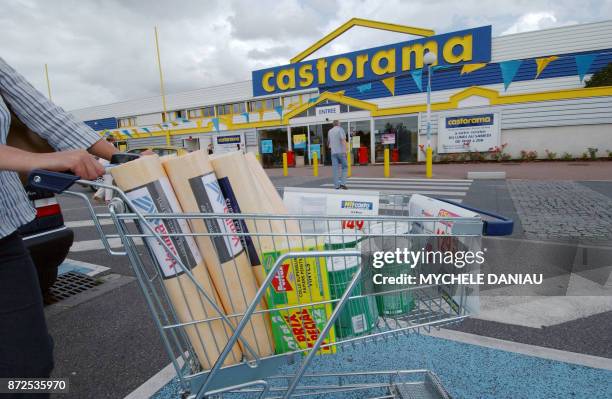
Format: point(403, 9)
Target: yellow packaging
point(299, 281)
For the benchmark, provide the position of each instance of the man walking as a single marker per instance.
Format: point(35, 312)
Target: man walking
point(337, 143)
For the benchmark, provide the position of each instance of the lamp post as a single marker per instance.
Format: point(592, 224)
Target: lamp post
point(429, 59)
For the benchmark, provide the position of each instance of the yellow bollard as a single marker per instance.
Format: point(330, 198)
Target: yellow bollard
point(387, 168)
point(258, 157)
point(285, 168)
point(429, 163)
point(348, 160)
point(315, 164)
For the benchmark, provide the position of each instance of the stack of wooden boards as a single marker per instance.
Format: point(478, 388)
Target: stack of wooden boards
point(228, 255)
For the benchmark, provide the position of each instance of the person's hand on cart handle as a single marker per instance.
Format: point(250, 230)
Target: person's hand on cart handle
point(79, 162)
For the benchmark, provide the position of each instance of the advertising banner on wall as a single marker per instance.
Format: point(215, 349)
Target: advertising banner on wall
point(476, 132)
point(228, 142)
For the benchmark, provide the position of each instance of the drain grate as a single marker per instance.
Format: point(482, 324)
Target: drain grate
point(69, 284)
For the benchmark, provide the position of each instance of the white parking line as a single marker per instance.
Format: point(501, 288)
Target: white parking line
point(155, 383)
point(95, 245)
point(89, 269)
point(413, 180)
point(525, 349)
point(88, 223)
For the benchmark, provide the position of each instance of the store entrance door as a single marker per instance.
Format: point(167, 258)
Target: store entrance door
point(318, 140)
point(325, 150)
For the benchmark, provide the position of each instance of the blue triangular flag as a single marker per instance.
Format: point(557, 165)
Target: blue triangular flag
point(146, 129)
point(279, 110)
point(246, 116)
point(440, 67)
point(126, 132)
point(583, 63)
point(215, 122)
point(417, 76)
point(365, 87)
point(313, 100)
point(508, 71)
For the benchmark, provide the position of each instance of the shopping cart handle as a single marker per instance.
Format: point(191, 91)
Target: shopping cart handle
point(51, 181)
point(123, 157)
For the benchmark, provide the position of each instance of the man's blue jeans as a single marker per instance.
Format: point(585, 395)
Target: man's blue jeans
point(339, 177)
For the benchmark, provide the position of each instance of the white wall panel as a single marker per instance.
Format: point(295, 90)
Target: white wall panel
point(567, 39)
point(149, 119)
point(583, 111)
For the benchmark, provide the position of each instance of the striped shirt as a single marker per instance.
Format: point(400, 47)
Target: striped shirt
point(59, 128)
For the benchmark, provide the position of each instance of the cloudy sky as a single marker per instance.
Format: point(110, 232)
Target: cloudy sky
point(102, 51)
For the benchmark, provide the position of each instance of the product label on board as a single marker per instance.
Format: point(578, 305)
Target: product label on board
point(158, 197)
point(299, 281)
point(233, 207)
point(210, 199)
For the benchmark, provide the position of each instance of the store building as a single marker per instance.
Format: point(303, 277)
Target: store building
point(525, 90)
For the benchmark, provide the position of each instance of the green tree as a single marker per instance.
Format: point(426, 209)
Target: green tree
point(603, 77)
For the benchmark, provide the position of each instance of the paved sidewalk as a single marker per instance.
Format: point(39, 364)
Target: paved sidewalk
point(562, 210)
point(599, 170)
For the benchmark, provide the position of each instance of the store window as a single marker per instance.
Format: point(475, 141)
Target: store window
point(400, 135)
point(127, 122)
point(255, 106)
point(299, 144)
point(312, 111)
point(224, 109)
point(238, 108)
point(360, 141)
point(272, 103)
point(290, 102)
point(309, 96)
point(174, 115)
point(194, 113)
point(272, 145)
point(208, 111)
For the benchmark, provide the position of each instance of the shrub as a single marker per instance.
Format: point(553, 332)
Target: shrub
point(609, 153)
point(505, 157)
point(593, 152)
point(550, 155)
point(476, 156)
point(497, 153)
point(528, 155)
point(584, 156)
point(567, 156)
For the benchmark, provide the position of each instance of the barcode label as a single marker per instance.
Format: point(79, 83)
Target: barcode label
point(359, 323)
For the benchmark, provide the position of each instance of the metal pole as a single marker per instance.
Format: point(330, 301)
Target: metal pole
point(161, 85)
point(48, 83)
point(429, 152)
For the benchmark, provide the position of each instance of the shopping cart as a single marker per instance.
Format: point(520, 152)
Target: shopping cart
point(357, 313)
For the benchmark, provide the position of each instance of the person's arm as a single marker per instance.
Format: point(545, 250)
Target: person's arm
point(77, 161)
point(104, 149)
point(60, 128)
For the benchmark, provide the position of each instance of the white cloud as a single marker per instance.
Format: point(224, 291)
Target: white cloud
point(534, 21)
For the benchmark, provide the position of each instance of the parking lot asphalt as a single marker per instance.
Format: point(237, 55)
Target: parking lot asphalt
point(107, 343)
